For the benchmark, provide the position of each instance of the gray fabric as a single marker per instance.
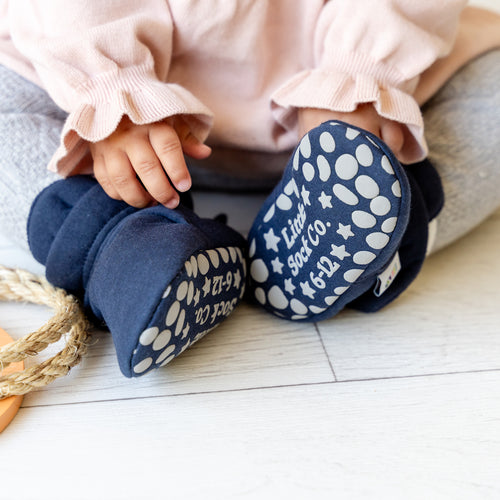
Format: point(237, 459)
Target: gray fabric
point(463, 132)
point(30, 126)
point(238, 170)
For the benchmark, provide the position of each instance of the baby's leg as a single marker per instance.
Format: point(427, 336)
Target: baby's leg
point(159, 279)
point(462, 124)
point(462, 129)
point(30, 125)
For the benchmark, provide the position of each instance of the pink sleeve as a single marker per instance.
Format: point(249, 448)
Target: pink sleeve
point(373, 51)
point(100, 60)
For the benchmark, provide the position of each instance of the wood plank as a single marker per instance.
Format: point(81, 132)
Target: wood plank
point(486, 4)
point(13, 256)
point(250, 349)
point(427, 437)
point(240, 208)
point(447, 321)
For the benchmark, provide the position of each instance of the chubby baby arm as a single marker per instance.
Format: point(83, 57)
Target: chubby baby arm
point(364, 116)
point(144, 164)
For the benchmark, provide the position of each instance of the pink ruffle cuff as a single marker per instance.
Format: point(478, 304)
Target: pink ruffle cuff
point(104, 100)
point(343, 92)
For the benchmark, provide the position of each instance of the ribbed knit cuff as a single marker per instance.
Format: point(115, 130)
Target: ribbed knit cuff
point(357, 81)
point(135, 92)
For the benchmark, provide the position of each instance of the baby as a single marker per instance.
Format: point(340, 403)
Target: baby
point(120, 98)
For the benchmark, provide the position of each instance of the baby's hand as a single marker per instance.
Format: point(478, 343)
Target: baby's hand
point(364, 116)
point(150, 154)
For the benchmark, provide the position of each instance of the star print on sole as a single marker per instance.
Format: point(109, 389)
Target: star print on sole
point(159, 279)
point(205, 291)
point(331, 225)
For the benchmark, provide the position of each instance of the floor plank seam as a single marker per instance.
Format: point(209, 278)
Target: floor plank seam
point(418, 375)
point(248, 389)
point(326, 352)
point(179, 394)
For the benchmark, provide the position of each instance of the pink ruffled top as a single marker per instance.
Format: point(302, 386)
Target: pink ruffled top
point(237, 69)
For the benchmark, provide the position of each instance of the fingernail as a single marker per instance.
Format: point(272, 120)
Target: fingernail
point(172, 203)
point(183, 185)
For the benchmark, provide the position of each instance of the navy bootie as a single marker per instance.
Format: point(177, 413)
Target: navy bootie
point(332, 232)
point(160, 279)
point(427, 199)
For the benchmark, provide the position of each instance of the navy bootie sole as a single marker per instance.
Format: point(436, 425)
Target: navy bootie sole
point(206, 290)
point(331, 226)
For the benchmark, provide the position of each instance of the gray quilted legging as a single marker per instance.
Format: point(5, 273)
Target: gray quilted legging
point(463, 132)
point(462, 129)
point(30, 126)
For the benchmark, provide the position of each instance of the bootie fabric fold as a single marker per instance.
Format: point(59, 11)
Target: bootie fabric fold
point(331, 226)
point(160, 279)
point(427, 199)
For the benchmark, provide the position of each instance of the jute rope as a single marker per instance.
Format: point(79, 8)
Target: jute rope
point(69, 320)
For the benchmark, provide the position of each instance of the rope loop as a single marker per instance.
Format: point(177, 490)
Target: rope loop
point(69, 321)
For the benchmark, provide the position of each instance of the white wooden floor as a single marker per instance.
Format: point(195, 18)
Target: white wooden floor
point(404, 403)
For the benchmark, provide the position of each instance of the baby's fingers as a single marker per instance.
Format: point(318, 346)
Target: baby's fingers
point(102, 177)
point(150, 171)
point(168, 148)
point(191, 145)
point(119, 180)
